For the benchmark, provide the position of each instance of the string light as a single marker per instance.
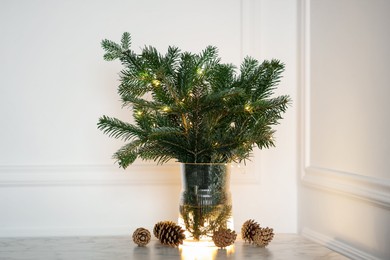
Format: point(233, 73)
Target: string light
point(139, 113)
point(200, 71)
point(156, 82)
point(166, 109)
point(248, 108)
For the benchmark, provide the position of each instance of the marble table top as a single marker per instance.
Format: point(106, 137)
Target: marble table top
point(284, 246)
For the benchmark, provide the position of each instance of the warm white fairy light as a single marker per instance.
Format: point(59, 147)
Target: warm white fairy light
point(156, 82)
point(200, 71)
point(248, 108)
point(165, 109)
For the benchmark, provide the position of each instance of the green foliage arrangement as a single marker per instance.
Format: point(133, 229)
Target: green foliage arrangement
point(191, 107)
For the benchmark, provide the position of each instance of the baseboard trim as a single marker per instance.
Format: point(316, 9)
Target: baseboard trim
point(336, 245)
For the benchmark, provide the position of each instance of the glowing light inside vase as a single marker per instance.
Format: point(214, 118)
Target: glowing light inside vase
point(203, 251)
point(204, 240)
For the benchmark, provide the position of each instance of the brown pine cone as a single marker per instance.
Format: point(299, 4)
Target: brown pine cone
point(159, 225)
point(248, 230)
point(263, 236)
point(169, 233)
point(224, 237)
point(141, 236)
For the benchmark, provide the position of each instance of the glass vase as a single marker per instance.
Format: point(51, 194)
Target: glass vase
point(205, 200)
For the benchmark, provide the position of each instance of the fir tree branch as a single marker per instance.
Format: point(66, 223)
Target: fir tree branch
point(126, 41)
point(198, 110)
point(119, 129)
point(113, 50)
point(131, 100)
point(127, 154)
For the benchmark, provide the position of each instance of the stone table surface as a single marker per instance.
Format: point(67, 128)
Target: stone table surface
point(284, 246)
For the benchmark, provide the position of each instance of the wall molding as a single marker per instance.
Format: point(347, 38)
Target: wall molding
point(366, 188)
point(336, 245)
point(41, 175)
point(369, 189)
point(136, 174)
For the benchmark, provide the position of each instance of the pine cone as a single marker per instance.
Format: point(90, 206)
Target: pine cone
point(224, 237)
point(263, 236)
point(141, 236)
point(159, 225)
point(248, 230)
point(169, 233)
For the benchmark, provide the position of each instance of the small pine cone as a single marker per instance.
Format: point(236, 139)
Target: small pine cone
point(248, 230)
point(141, 236)
point(224, 237)
point(263, 236)
point(170, 234)
point(159, 225)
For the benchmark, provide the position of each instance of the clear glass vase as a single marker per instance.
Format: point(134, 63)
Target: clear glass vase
point(205, 200)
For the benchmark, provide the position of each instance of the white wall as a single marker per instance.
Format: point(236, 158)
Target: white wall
point(345, 189)
point(56, 172)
